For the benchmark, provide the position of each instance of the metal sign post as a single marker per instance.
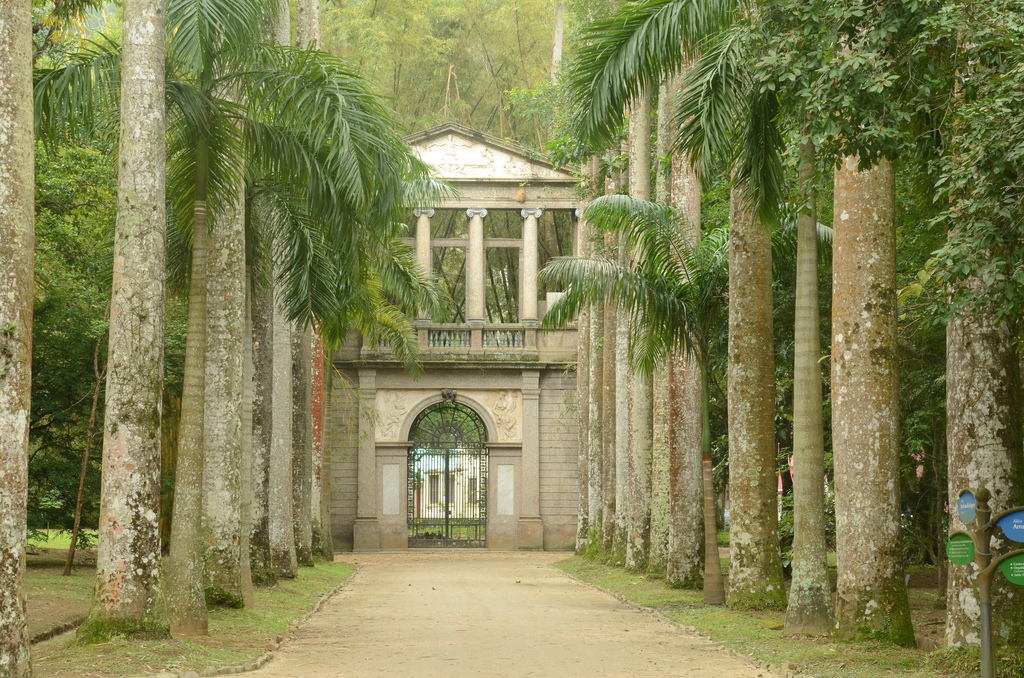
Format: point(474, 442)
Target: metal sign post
point(966, 546)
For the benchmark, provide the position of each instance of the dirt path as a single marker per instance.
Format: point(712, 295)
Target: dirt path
point(428, 614)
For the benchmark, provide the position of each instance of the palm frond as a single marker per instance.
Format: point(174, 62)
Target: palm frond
point(709, 105)
point(71, 101)
point(759, 165)
point(633, 50)
point(674, 290)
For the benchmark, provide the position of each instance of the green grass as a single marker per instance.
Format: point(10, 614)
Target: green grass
point(760, 635)
point(236, 636)
point(57, 539)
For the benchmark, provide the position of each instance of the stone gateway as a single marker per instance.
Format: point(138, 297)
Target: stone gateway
point(480, 450)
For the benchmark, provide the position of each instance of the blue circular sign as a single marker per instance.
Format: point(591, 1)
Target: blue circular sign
point(966, 506)
point(1013, 526)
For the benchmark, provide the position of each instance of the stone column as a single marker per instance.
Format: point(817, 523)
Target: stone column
point(528, 304)
point(423, 217)
point(423, 249)
point(531, 529)
point(475, 302)
point(366, 531)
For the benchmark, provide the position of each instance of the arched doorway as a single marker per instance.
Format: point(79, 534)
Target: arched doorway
point(447, 478)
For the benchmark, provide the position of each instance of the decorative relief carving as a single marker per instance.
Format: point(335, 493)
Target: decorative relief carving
point(392, 411)
point(505, 416)
point(395, 408)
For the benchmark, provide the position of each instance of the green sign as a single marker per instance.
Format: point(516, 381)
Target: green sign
point(1013, 568)
point(960, 550)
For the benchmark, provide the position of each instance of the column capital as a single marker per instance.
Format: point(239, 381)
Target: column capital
point(476, 212)
point(532, 212)
point(423, 211)
point(577, 212)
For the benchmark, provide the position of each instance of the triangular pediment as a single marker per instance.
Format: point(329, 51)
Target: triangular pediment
point(459, 153)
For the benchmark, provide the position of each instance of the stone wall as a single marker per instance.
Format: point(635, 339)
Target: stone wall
point(559, 486)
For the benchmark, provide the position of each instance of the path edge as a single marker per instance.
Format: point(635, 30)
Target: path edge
point(691, 630)
point(271, 648)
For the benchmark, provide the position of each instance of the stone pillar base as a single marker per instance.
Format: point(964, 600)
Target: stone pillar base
point(530, 535)
point(366, 535)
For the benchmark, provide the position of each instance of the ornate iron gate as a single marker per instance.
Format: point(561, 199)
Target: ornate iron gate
point(447, 478)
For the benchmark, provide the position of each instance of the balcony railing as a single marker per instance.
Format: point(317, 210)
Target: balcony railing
point(504, 338)
point(447, 338)
point(515, 341)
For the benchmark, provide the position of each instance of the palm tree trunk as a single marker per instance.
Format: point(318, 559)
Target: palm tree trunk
point(583, 408)
point(223, 397)
point(810, 595)
point(595, 429)
point(983, 432)
point(871, 598)
point(686, 475)
point(327, 534)
point(17, 246)
point(714, 586)
point(302, 445)
point(755, 572)
point(262, 421)
point(661, 435)
point(686, 515)
point(557, 38)
point(322, 545)
point(609, 407)
point(185, 595)
point(245, 479)
point(282, 531)
point(623, 376)
point(641, 423)
point(127, 599)
point(661, 432)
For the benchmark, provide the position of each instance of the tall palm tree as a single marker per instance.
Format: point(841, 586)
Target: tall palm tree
point(809, 610)
point(332, 170)
point(680, 287)
point(128, 577)
point(17, 233)
point(721, 114)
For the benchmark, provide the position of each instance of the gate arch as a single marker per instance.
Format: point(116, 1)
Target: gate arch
point(447, 478)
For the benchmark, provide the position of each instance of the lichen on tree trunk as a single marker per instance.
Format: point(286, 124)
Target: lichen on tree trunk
point(262, 420)
point(128, 598)
point(871, 596)
point(686, 477)
point(984, 436)
point(222, 421)
point(281, 529)
point(608, 400)
point(583, 409)
point(302, 444)
point(17, 244)
point(640, 439)
point(595, 461)
point(755, 571)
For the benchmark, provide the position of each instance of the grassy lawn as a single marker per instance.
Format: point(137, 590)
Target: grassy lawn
point(236, 636)
point(759, 634)
point(57, 539)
